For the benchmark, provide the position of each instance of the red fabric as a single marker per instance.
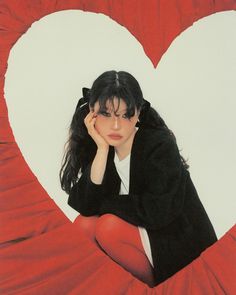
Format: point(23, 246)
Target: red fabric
point(41, 251)
point(61, 261)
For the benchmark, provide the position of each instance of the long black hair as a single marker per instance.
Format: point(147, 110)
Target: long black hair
point(80, 147)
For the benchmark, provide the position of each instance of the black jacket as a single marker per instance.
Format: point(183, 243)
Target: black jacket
point(162, 198)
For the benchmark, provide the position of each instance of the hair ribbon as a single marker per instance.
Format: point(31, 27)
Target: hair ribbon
point(83, 101)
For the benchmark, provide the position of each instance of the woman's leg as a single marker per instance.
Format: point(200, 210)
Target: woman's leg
point(121, 241)
point(87, 225)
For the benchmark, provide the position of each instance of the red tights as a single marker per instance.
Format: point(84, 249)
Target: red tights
point(121, 241)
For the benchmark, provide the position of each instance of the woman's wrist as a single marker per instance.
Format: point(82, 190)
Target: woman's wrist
point(99, 165)
point(103, 150)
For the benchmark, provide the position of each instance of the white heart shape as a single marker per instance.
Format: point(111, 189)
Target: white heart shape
point(192, 88)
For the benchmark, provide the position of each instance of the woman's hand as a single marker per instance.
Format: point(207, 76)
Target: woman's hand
point(89, 122)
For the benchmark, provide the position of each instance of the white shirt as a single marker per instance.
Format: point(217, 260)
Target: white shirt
point(123, 169)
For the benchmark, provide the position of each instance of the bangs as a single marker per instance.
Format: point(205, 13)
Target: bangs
point(119, 94)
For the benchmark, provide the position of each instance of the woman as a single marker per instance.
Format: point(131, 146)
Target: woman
point(124, 174)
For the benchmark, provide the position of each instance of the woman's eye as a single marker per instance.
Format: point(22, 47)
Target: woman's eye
point(125, 116)
point(106, 114)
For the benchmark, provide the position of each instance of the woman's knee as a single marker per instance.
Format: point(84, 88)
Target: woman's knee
point(108, 229)
point(112, 230)
point(86, 224)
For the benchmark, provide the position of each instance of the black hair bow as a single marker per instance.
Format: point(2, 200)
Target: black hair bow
point(83, 101)
point(146, 106)
point(143, 113)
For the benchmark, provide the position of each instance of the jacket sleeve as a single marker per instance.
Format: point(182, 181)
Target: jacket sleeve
point(85, 196)
point(163, 194)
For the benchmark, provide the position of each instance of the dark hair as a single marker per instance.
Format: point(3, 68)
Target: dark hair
point(80, 146)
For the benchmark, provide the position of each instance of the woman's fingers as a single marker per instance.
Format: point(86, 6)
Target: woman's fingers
point(88, 117)
point(89, 121)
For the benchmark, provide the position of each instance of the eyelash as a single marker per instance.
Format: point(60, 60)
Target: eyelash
point(106, 114)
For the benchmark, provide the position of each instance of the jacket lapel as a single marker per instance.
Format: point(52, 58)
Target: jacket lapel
point(112, 177)
point(136, 160)
point(136, 163)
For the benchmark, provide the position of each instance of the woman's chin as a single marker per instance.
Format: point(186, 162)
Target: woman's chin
point(114, 143)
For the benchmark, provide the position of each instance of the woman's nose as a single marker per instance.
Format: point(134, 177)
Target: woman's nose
point(116, 123)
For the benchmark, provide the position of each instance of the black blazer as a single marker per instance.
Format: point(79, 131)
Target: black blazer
point(162, 198)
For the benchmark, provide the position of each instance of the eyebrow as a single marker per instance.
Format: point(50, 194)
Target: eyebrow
point(124, 110)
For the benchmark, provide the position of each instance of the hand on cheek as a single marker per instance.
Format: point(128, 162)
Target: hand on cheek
point(90, 122)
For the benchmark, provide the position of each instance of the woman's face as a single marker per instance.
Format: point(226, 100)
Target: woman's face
point(115, 128)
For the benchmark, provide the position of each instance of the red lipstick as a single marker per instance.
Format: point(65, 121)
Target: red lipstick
point(115, 136)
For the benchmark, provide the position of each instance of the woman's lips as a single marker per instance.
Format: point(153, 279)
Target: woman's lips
point(115, 136)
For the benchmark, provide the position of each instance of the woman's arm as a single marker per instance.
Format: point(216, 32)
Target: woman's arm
point(99, 166)
point(87, 194)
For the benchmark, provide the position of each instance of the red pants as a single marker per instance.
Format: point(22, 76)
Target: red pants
point(120, 240)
